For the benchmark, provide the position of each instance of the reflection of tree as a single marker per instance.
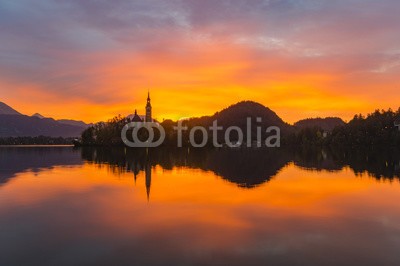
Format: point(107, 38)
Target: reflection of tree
point(379, 163)
point(316, 158)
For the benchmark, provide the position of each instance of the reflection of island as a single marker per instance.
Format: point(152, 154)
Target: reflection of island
point(246, 168)
point(14, 160)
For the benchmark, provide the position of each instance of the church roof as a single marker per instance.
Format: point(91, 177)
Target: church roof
point(136, 118)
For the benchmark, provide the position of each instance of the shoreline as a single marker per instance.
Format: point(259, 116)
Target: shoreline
point(37, 145)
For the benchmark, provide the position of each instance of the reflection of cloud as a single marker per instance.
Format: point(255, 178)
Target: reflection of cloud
point(105, 54)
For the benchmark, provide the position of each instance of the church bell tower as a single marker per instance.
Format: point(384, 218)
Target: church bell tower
point(148, 109)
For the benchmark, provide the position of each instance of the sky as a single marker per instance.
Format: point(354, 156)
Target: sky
point(91, 60)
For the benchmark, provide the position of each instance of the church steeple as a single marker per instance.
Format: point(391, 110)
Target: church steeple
point(148, 109)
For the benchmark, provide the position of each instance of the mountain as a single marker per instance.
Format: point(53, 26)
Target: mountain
point(38, 115)
point(15, 124)
point(77, 123)
point(24, 126)
point(7, 110)
point(327, 124)
point(70, 122)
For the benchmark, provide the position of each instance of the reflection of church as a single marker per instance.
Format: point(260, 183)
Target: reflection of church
point(136, 167)
point(147, 118)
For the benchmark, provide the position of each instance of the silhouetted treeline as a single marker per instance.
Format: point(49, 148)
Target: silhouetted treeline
point(109, 133)
point(313, 136)
point(105, 133)
point(376, 129)
point(40, 140)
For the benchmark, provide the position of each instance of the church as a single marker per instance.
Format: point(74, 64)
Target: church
point(148, 117)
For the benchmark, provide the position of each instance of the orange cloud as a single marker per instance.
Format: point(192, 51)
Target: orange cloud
point(196, 62)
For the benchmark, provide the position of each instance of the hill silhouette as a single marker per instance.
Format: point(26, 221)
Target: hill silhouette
point(240, 111)
point(22, 126)
point(327, 124)
point(237, 115)
point(7, 110)
point(15, 124)
point(71, 122)
point(38, 115)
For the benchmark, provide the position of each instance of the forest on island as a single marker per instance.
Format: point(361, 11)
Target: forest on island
point(376, 129)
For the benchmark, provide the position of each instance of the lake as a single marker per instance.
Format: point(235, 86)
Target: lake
point(67, 206)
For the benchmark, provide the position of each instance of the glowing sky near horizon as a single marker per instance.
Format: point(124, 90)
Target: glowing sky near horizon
point(92, 60)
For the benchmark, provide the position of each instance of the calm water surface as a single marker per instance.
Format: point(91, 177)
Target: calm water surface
point(65, 206)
